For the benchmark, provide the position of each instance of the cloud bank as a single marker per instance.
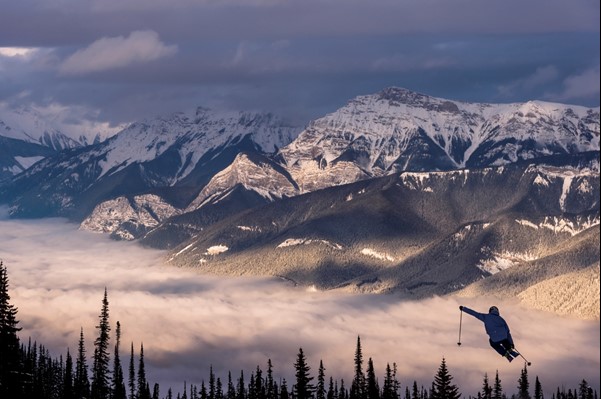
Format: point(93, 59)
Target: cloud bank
point(189, 322)
point(115, 52)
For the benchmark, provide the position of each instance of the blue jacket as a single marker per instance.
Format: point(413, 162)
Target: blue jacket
point(495, 326)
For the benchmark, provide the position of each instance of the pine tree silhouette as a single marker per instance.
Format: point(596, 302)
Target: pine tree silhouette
point(442, 387)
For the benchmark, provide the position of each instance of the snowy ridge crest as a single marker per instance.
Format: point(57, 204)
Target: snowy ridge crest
point(397, 130)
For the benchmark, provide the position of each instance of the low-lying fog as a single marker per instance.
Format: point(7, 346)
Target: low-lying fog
point(189, 322)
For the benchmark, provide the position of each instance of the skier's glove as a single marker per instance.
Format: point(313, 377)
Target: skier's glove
point(461, 308)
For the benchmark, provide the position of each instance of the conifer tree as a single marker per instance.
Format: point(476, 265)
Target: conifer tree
point(396, 385)
point(251, 387)
point(388, 384)
point(270, 391)
point(486, 388)
point(119, 391)
point(584, 390)
point(231, 390)
point(342, 391)
point(143, 387)
point(303, 389)
point(241, 390)
point(497, 389)
point(523, 384)
point(415, 391)
point(100, 373)
point(284, 394)
point(442, 387)
point(330, 394)
point(218, 389)
point(132, 374)
point(372, 387)
point(321, 382)
point(211, 383)
point(81, 385)
point(259, 384)
point(538, 389)
point(11, 381)
point(68, 392)
point(358, 383)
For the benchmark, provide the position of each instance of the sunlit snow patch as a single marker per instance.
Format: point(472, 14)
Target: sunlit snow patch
point(501, 261)
point(249, 228)
point(560, 225)
point(377, 255)
point(290, 242)
point(216, 250)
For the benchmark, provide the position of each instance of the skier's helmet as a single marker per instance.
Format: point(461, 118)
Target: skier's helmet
point(494, 310)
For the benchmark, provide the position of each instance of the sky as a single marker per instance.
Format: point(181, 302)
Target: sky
point(189, 322)
point(112, 62)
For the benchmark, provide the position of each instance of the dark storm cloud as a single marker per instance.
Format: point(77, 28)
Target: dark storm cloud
point(189, 322)
point(133, 59)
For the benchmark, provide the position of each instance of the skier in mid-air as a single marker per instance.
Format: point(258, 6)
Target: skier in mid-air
point(497, 329)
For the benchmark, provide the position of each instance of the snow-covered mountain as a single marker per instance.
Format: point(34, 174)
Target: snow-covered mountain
point(29, 135)
point(190, 162)
point(173, 157)
point(30, 125)
point(399, 130)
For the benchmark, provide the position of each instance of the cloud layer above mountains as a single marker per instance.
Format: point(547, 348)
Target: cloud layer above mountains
point(136, 59)
point(189, 322)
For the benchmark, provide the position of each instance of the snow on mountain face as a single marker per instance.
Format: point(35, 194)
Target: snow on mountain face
point(252, 172)
point(398, 130)
point(174, 157)
point(190, 138)
point(29, 125)
point(126, 219)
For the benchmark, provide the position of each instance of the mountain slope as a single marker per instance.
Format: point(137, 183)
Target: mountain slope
point(397, 130)
point(563, 279)
point(412, 234)
point(170, 157)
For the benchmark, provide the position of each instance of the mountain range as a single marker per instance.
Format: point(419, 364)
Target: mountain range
point(395, 192)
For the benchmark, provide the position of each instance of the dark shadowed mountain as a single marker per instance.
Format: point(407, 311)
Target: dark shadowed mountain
point(412, 234)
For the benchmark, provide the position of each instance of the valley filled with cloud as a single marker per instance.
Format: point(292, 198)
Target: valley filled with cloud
point(189, 321)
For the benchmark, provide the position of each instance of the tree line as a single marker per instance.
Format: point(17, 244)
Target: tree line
point(28, 371)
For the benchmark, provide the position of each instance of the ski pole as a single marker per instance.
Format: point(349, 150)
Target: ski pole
point(460, 319)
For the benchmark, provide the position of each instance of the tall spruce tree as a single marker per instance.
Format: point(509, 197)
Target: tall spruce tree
point(321, 382)
point(372, 387)
point(538, 390)
point(585, 391)
point(388, 384)
point(119, 391)
point(81, 384)
point(101, 380)
point(269, 382)
point(523, 384)
point(442, 387)
point(11, 376)
point(497, 388)
point(231, 389)
point(415, 394)
point(486, 388)
point(132, 374)
point(143, 387)
point(284, 394)
point(358, 383)
point(68, 392)
point(241, 390)
point(303, 389)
